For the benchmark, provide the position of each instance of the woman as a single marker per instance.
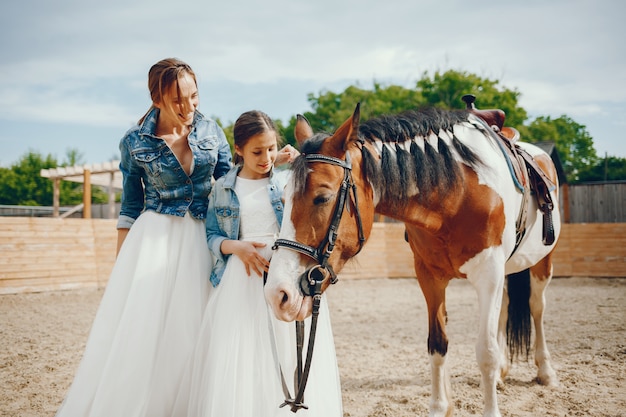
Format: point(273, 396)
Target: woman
point(149, 317)
point(235, 369)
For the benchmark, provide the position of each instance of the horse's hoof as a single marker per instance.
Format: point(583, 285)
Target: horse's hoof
point(549, 380)
point(504, 371)
point(500, 384)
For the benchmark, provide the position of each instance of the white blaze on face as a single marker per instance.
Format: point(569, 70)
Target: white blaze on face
point(282, 291)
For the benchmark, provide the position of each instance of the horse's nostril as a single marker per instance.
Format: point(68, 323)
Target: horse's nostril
point(284, 299)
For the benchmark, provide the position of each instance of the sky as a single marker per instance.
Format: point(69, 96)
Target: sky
point(73, 73)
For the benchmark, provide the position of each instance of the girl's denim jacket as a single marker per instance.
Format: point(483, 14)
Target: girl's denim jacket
point(153, 179)
point(223, 220)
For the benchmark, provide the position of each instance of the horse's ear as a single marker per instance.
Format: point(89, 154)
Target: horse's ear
point(349, 131)
point(303, 129)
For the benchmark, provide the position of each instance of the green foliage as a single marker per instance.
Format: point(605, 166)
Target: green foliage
point(445, 90)
point(22, 183)
point(610, 168)
point(441, 90)
point(228, 131)
point(282, 140)
point(572, 141)
point(330, 110)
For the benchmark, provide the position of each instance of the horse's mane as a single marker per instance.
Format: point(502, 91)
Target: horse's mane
point(432, 171)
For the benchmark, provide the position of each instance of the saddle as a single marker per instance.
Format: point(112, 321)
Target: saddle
point(528, 176)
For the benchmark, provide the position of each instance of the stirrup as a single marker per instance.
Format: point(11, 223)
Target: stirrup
point(548, 228)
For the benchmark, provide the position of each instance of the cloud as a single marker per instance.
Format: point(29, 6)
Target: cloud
point(85, 63)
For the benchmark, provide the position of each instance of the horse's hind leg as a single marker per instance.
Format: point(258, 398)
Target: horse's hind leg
point(505, 361)
point(540, 276)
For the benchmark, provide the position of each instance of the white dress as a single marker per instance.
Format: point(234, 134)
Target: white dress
point(234, 372)
point(147, 323)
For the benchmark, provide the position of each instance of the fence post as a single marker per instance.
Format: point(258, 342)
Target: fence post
point(86, 194)
point(56, 193)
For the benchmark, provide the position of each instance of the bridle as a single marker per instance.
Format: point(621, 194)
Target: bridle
point(312, 279)
point(322, 253)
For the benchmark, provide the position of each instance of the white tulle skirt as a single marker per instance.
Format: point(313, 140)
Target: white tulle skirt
point(234, 372)
point(147, 323)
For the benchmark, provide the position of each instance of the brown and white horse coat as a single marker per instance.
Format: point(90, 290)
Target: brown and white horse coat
point(443, 175)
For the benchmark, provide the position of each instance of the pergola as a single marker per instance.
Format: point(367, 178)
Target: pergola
point(105, 174)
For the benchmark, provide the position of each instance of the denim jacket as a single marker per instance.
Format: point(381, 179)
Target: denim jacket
point(223, 220)
point(153, 179)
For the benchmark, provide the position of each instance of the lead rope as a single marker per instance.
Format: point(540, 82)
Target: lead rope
point(298, 402)
point(303, 374)
point(270, 325)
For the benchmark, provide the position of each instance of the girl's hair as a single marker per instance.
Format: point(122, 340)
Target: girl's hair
point(249, 124)
point(162, 76)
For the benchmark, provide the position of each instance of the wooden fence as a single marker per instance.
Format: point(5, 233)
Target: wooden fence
point(42, 254)
point(583, 249)
point(597, 203)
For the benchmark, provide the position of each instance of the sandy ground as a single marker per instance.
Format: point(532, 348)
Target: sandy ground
point(380, 334)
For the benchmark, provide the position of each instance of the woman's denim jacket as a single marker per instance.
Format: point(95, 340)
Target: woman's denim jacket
point(223, 220)
point(153, 179)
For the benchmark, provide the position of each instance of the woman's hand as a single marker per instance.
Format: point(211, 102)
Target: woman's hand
point(286, 155)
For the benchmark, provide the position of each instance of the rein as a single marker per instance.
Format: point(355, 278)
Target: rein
point(313, 278)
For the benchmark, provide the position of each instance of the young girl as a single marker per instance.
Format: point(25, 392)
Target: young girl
point(235, 370)
point(147, 323)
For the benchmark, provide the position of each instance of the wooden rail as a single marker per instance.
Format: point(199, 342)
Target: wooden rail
point(43, 254)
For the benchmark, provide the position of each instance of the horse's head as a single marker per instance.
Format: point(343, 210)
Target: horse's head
point(328, 215)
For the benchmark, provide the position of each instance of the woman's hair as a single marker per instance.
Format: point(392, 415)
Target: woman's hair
point(162, 76)
point(249, 124)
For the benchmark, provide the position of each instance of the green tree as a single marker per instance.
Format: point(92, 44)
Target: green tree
point(22, 183)
point(446, 90)
point(573, 143)
point(331, 109)
point(441, 90)
point(610, 168)
point(228, 131)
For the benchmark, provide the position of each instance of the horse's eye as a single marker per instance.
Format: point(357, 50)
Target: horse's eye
point(321, 199)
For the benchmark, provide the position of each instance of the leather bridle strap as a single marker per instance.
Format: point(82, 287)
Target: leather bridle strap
point(324, 250)
point(302, 374)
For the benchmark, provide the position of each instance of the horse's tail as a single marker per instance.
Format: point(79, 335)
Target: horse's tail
point(518, 325)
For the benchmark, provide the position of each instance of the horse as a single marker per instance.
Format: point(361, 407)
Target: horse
point(445, 175)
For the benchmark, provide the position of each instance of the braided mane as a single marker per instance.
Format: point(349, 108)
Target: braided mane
point(407, 160)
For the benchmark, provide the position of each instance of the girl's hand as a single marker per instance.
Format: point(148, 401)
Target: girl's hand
point(286, 155)
point(251, 258)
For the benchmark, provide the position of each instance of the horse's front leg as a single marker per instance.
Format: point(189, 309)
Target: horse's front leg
point(434, 291)
point(487, 277)
point(540, 276)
